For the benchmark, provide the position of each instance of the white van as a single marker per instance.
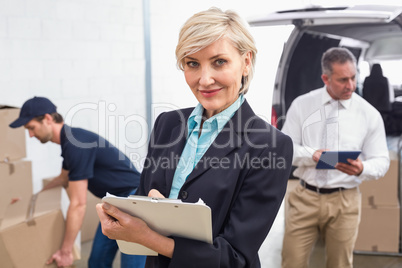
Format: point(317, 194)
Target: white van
point(372, 33)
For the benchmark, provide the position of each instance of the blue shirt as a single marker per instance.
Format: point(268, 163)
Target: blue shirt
point(197, 144)
point(87, 155)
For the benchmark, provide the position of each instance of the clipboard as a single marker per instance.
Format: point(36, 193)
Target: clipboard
point(165, 216)
point(329, 159)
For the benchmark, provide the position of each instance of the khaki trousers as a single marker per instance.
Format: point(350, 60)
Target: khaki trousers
point(335, 217)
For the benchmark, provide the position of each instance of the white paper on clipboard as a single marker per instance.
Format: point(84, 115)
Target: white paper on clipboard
point(165, 216)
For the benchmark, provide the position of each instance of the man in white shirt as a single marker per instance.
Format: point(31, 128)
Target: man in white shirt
point(327, 203)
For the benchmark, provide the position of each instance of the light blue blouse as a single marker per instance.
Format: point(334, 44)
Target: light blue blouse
point(196, 144)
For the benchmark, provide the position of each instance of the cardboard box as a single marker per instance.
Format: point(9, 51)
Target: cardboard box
point(16, 182)
point(379, 230)
point(384, 191)
point(91, 219)
point(29, 237)
point(12, 140)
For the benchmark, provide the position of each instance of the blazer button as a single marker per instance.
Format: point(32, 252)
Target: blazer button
point(184, 195)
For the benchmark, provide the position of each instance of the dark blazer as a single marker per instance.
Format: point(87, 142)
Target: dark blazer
point(242, 177)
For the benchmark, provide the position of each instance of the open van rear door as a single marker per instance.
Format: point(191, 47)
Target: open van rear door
point(370, 32)
point(332, 16)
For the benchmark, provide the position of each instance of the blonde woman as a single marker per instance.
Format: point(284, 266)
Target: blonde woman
point(230, 158)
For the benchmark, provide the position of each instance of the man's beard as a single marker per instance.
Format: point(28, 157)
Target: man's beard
point(45, 139)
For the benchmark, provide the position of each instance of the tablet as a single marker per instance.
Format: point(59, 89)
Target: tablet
point(329, 159)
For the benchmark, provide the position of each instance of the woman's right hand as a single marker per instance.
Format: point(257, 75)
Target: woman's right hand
point(119, 225)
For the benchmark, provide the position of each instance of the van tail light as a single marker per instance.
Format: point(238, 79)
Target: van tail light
point(274, 118)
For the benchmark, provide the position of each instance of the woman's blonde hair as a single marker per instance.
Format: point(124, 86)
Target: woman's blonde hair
point(206, 27)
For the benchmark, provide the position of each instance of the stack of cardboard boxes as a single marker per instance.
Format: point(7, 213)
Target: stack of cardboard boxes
point(379, 229)
point(15, 173)
point(31, 226)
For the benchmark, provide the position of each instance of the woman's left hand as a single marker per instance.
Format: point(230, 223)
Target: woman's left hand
point(155, 193)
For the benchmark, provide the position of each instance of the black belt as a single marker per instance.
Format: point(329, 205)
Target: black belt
point(320, 190)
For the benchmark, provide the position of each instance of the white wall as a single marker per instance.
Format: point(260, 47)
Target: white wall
point(86, 56)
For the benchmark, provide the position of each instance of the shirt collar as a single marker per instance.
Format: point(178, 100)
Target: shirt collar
point(346, 103)
point(63, 134)
point(194, 121)
point(195, 117)
point(325, 98)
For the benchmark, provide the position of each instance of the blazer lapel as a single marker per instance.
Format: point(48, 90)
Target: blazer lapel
point(176, 150)
point(229, 139)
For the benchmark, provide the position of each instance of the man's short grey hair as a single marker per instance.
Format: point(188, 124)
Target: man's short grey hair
point(335, 55)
